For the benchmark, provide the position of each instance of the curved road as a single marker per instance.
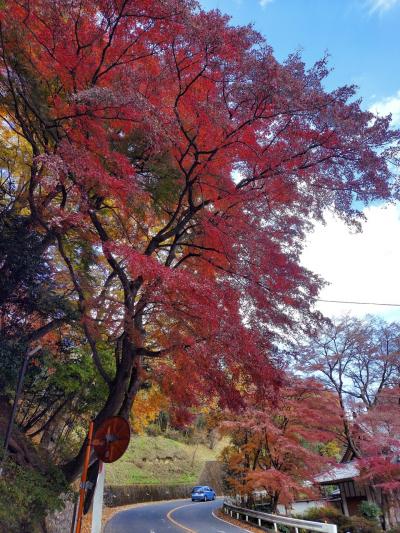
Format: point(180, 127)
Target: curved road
point(177, 516)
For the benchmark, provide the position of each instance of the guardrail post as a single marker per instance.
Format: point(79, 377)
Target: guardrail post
point(294, 523)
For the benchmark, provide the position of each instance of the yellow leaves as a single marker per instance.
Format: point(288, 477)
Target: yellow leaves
point(15, 152)
point(15, 156)
point(331, 449)
point(146, 407)
point(210, 409)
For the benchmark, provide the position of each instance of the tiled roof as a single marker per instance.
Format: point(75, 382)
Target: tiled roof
point(339, 473)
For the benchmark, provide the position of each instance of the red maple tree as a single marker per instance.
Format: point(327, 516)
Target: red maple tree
point(358, 360)
point(276, 442)
point(174, 169)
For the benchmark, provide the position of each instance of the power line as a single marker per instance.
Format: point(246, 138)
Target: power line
point(356, 303)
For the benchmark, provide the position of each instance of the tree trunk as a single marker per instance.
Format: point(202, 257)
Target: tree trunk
point(274, 502)
point(119, 401)
point(391, 509)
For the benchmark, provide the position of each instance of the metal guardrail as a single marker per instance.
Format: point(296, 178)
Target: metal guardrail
point(241, 513)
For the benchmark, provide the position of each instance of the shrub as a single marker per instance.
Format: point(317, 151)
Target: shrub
point(327, 514)
point(370, 510)
point(345, 524)
point(321, 513)
point(360, 524)
point(30, 495)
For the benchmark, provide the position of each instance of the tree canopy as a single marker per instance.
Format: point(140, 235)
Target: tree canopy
point(169, 167)
point(359, 361)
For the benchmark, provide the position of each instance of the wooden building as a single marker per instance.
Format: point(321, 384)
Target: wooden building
point(351, 492)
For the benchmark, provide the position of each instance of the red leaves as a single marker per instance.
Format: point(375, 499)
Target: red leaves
point(378, 434)
point(358, 359)
point(277, 482)
point(381, 471)
point(181, 165)
point(274, 440)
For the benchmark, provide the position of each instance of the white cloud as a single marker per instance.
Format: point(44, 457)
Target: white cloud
point(264, 3)
point(380, 6)
point(361, 267)
point(391, 104)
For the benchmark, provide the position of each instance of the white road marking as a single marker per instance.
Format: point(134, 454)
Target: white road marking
point(226, 522)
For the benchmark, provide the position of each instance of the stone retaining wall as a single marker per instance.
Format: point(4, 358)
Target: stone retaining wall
point(212, 475)
point(61, 521)
point(114, 496)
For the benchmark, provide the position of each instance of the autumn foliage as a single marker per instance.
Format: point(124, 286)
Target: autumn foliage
point(358, 361)
point(171, 167)
point(146, 407)
point(277, 445)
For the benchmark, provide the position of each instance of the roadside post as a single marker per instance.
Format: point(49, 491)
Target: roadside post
point(98, 499)
point(109, 443)
point(82, 489)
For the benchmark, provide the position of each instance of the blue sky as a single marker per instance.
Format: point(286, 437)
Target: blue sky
point(361, 36)
point(363, 40)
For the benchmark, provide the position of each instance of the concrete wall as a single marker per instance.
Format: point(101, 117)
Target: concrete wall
point(301, 507)
point(115, 496)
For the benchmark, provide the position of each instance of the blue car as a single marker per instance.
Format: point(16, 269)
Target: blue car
point(202, 493)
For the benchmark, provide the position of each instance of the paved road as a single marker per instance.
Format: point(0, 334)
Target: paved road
point(177, 516)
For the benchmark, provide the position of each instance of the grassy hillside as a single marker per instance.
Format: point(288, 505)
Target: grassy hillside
point(158, 459)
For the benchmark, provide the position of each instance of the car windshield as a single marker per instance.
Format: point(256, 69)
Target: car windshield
point(197, 489)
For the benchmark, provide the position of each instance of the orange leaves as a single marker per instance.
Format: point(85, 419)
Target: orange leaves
point(277, 482)
point(146, 408)
point(274, 439)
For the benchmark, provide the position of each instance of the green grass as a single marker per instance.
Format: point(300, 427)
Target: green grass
point(158, 460)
